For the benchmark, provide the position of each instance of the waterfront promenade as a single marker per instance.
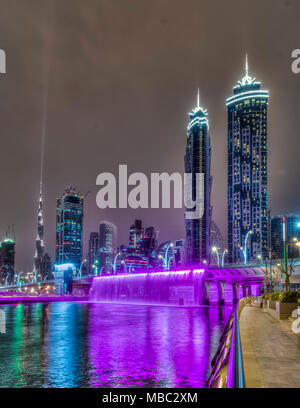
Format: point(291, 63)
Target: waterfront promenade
point(271, 351)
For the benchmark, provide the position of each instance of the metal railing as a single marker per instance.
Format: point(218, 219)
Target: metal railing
point(227, 364)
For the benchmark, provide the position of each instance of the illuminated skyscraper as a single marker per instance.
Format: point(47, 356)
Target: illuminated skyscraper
point(197, 161)
point(107, 246)
point(93, 251)
point(135, 235)
point(69, 217)
point(39, 242)
point(247, 170)
point(7, 261)
point(141, 252)
point(149, 244)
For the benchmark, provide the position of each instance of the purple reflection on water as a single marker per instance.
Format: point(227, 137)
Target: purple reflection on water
point(69, 344)
point(153, 346)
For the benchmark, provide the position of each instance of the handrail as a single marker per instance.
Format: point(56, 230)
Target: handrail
point(227, 364)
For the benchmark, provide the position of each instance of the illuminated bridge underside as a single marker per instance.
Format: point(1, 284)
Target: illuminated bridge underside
point(190, 287)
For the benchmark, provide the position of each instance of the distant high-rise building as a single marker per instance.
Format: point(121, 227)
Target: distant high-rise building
point(135, 235)
point(7, 261)
point(39, 242)
point(149, 243)
point(42, 261)
point(141, 252)
point(45, 269)
point(292, 235)
point(197, 161)
point(107, 246)
point(69, 218)
point(247, 170)
point(93, 255)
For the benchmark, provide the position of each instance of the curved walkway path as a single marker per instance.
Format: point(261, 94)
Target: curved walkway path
point(271, 351)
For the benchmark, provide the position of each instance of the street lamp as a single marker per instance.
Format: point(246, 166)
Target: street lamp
point(297, 243)
point(35, 275)
point(215, 250)
point(259, 259)
point(223, 255)
point(115, 262)
point(166, 255)
point(245, 246)
point(80, 269)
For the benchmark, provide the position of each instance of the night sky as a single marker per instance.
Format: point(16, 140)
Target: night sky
point(121, 77)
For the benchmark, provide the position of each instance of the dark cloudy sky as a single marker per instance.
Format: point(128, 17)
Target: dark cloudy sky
point(123, 75)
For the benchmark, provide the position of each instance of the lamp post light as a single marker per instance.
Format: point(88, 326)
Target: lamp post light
point(215, 250)
point(80, 269)
point(297, 244)
point(115, 262)
point(244, 249)
point(35, 275)
point(169, 263)
point(166, 255)
point(223, 256)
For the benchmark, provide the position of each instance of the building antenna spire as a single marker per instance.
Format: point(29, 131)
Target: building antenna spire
point(246, 65)
point(198, 98)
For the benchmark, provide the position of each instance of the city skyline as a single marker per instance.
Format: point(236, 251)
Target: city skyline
point(86, 129)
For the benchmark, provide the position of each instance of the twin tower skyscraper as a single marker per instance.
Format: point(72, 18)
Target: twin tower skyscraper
point(246, 175)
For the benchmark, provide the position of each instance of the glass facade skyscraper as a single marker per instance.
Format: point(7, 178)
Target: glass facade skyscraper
point(107, 246)
point(7, 261)
point(135, 235)
point(247, 171)
point(93, 251)
point(197, 161)
point(69, 217)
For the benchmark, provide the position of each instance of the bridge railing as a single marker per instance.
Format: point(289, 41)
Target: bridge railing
point(227, 364)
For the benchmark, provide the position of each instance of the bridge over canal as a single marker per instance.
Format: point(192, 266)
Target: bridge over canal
point(194, 286)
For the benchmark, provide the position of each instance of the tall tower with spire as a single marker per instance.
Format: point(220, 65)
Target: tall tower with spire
point(197, 160)
point(39, 242)
point(247, 170)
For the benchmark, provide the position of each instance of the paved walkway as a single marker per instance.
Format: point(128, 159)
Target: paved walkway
point(271, 351)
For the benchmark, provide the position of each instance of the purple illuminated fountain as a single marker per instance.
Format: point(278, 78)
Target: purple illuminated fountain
point(161, 287)
point(195, 286)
